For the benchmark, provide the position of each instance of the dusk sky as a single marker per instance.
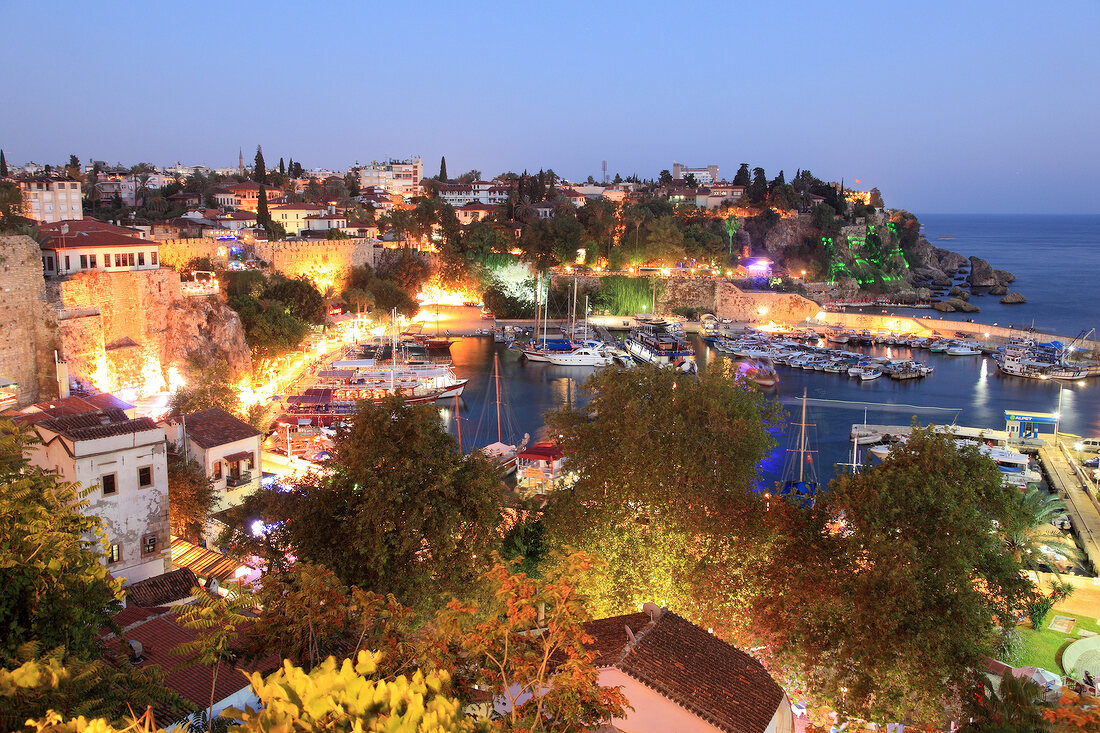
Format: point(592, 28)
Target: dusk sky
point(945, 106)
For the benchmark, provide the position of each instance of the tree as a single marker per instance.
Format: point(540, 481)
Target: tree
point(191, 496)
point(55, 589)
point(72, 170)
point(757, 192)
point(257, 532)
point(911, 543)
point(259, 170)
point(443, 169)
point(216, 621)
point(690, 182)
point(1031, 527)
point(301, 298)
point(1015, 705)
point(664, 480)
point(665, 178)
point(3, 165)
point(282, 168)
point(11, 205)
point(401, 511)
point(525, 645)
point(213, 388)
point(469, 176)
point(388, 296)
point(263, 216)
point(742, 176)
point(664, 242)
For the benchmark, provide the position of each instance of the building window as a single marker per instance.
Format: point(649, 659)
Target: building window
point(131, 258)
point(83, 262)
point(145, 476)
point(66, 263)
point(152, 258)
point(110, 486)
point(141, 259)
point(91, 260)
point(148, 544)
point(118, 260)
point(114, 554)
point(217, 470)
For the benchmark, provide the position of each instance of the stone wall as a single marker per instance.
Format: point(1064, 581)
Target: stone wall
point(325, 262)
point(125, 330)
point(28, 326)
point(178, 252)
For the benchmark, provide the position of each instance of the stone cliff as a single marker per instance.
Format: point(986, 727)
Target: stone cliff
point(27, 324)
point(127, 330)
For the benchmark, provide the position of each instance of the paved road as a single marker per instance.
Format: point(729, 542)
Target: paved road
point(1081, 506)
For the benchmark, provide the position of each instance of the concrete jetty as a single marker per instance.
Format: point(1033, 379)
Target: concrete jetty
point(1082, 507)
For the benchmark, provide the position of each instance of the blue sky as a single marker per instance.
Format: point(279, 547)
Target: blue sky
point(945, 106)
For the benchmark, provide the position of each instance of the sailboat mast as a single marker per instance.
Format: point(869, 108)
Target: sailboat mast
point(802, 440)
point(458, 425)
point(496, 378)
point(573, 318)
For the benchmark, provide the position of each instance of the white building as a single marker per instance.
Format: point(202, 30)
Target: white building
point(703, 176)
point(227, 449)
point(396, 176)
point(51, 198)
point(296, 217)
point(88, 244)
point(124, 463)
point(490, 193)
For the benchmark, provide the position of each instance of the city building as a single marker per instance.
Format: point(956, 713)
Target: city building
point(48, 199)
point(396, 176)
point(123, 461)
point(295, 218)
point(470, 213)
point(245, 196)
point(89, 244)
point(677, 676)
point(703, 176)
point(227, 449)
point(477, 192)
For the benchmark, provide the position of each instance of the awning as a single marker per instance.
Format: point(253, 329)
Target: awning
point(239, 456)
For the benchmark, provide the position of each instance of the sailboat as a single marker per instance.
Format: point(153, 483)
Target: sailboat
point(802, 491)
point(501, 453)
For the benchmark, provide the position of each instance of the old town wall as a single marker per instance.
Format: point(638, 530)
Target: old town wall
point(28, 324)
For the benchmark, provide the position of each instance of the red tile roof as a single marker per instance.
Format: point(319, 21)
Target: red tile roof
point(161, 589)
point(203, 562)
point(90, 233)
point(544, 451)
point(694, 669)
point(95, 425)
point(214, 426)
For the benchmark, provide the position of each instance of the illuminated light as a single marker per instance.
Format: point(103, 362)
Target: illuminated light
point(258, 528)
point(664, 271)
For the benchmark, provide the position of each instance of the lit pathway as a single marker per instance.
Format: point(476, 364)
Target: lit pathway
point(1081, 506)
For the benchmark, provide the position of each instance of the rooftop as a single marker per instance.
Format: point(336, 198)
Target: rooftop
point(691, 667)
point(163, 589)
point(214, 426)
point(95, 425)
point(89, 233)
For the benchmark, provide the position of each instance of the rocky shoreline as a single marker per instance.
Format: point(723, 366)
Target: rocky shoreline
point(954, 279)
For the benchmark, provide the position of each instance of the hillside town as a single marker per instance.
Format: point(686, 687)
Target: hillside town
point(231, 441)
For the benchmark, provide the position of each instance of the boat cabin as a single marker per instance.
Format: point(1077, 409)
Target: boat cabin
point(539, 468)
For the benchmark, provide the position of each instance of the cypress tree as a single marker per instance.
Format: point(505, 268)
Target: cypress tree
point(443, 169)
point(282, 168)
point(259, 171)
point(3, 165)
point(290, 168)
point(263, 217)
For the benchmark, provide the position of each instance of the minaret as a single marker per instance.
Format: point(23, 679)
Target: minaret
point(240, 160)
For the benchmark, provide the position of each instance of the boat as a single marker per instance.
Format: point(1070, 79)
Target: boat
point(869, 373)
point(803, 490)
point(760, 371)
point(1024, 359)
point(836, 337)
point(964, 349)
point(539, 468)
point(586, 356)
point(505, 455)
point(657, 342)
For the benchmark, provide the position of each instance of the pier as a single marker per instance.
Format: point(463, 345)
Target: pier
point(1084, 512)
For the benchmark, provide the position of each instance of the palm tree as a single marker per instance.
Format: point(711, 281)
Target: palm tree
point(217, 620)
point(1031, 528)
point(1016, 704)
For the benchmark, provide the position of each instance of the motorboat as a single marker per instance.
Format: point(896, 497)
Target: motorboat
point(585, 356)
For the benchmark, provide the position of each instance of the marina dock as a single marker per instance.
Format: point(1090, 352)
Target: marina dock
point(1081, 506)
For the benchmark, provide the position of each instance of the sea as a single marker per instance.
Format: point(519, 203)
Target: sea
point(1056, 260)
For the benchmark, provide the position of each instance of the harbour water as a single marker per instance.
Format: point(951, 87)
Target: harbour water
point(1056, 263)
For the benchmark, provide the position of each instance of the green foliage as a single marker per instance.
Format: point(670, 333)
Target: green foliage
point(1015, 705)
point(211, 386)
point(259, 170)
point(302, 299)
point(1029, 528)
point(665, 466)
point(216, 621)
point(401, 511)
point(336, 234)
point(54, 587)
point(742, 178)
point(191, 497)
point(347, 697)
point(11, 206)
point(621, 295)
point(74, 687)
point(905, 551)
point(664, 243)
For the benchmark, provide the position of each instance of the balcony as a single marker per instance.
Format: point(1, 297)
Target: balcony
point(235, 482)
